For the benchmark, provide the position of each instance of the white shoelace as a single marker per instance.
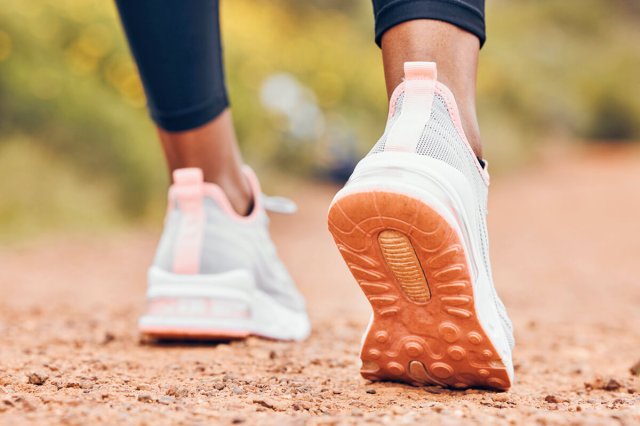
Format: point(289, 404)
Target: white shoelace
point(277, 204)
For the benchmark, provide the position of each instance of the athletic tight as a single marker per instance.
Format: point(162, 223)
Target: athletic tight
point(176, 44)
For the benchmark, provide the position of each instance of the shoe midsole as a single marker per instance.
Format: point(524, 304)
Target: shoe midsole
point(238, 305)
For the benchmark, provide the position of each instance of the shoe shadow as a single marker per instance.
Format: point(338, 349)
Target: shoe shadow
point(187, 342)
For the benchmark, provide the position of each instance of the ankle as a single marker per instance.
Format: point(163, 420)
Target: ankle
point(471, 129)
point(455, 51)
point(213, 148)
point(238, 191)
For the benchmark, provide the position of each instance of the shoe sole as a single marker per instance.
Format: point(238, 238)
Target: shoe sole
point(216, 307)
point(412, 266)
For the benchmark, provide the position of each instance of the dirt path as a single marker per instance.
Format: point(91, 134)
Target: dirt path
point(566, 250)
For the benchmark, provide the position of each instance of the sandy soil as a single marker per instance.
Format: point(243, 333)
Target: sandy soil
point(566, 250)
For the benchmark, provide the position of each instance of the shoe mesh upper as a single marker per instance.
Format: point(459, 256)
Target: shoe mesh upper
point(441, 140)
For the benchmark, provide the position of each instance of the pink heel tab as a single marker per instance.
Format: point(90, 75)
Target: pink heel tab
point(412, 71)
point(452, 106)
point(187, 188)
point(429, 71)
point(420, 71)
point(187, 192)
point(216, 193)
point(188, 176)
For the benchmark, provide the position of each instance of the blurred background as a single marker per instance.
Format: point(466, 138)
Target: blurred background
point(83, 187)
point(78, 152)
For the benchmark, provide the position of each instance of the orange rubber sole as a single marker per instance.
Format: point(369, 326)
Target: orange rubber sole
point(411, 265)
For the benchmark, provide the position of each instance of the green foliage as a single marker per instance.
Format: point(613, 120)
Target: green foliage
point(69, 92)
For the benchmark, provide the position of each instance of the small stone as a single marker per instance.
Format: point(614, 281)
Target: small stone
point(270, 403)
point(37, 378)
point(435, 389)
point(612, 385)
point(635, 369)
point(500, 397)
point(238, 420)
point(108, 338)
point(145, 397)
point(237, 390)
point(371, 391)
point(177, 392)
point(166, 400)
point(552, 399)
point(219, 386)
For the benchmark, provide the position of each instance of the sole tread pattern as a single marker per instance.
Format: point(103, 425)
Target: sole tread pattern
point(411, 265)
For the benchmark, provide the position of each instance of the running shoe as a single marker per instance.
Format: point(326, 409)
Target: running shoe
point(411, 225)
point(216, 274)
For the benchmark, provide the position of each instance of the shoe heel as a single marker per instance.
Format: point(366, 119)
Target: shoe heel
point(411, 264)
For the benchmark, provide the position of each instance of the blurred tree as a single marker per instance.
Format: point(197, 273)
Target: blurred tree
point(69, 93)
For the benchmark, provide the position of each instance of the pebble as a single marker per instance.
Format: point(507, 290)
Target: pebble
point(371, 391)
point(612, 385)
point(271, 404)
point(166, 400)
point(435, 390)
point(145, 397)
point(635, 369)
point(177, 392)
point(552, 399)
point(500, 397)
point(108, 338)
point(37, 378)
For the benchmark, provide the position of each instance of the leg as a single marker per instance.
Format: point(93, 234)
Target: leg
point(448, 34)
point(216, 274)
point(178, 52)
point(411, 221)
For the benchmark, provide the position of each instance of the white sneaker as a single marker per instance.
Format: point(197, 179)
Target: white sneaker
point(411, 225)
point(216, 275)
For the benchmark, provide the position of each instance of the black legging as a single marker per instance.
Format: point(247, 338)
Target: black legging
point(176, 44)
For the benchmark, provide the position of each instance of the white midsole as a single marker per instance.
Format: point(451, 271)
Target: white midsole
point(234, 291)
point(448, 192)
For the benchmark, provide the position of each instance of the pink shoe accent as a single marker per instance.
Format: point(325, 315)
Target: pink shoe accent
point(444, 92)
point(419, 88)
point(420, 71)
point(187, 194)
point(218, 195)
point(419, 76)
point(394, 99)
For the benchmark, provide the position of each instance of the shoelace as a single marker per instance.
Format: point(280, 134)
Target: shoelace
point(276, 204)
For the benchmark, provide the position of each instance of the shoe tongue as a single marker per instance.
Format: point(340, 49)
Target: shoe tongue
point(188, 188)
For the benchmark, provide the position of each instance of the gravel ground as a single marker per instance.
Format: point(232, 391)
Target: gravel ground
point(565, 248)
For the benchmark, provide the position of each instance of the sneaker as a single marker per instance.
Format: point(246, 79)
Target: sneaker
point(216, 274)
point(411, 225)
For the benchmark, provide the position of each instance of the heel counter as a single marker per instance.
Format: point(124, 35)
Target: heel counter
point(187, 195)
